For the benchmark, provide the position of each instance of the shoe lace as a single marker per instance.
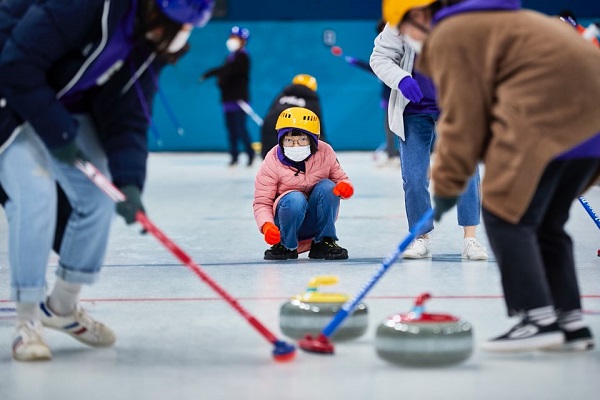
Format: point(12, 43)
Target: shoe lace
point(84, 319)
point(419, 243)
point(475, 246)
point(331, 243)
point(30, 331)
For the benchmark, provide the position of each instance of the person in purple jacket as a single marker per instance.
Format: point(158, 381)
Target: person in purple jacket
point(519, 91)
point(413, 115)
point(76, 83)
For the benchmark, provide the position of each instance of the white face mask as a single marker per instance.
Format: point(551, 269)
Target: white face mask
point(417, 45)
point(233, 44)
point(297, 153)
point(179, 40)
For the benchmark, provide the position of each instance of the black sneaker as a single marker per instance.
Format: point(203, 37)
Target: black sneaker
point(578, 340)
point(327, 249)
point(280, 252)
point(526, 336)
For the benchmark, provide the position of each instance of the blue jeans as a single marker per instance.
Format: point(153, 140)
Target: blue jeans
point(29, 174)
point(300, 218)
point(415, 152)
point(236, 127)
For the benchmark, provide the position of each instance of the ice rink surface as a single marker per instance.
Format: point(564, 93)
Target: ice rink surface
point(177, 339)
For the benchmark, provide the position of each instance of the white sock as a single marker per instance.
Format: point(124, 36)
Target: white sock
point(571, 320)
point(543, 315)
point(28, 312)
point(64, 297)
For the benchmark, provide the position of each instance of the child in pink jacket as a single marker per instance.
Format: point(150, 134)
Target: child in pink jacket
point(298, 190)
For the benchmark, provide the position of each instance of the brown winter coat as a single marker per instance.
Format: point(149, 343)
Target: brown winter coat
point(516, 89)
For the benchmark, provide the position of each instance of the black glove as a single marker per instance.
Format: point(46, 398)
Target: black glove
point(442, 205)
point(132, 204)
point(67, 153)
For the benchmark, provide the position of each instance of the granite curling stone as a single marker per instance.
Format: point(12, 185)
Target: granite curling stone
point(418, 338)
point(310, 312)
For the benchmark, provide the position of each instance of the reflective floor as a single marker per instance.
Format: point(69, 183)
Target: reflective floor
point(178, 339)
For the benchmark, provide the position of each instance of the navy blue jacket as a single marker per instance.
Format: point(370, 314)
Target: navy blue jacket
point(233, 77)
point(45, 45)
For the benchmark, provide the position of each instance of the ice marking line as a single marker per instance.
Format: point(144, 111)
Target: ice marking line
point(278, 298)
point(374, 260)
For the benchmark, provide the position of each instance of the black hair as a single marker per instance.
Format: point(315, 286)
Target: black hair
point(151, 18)
point(299, 132)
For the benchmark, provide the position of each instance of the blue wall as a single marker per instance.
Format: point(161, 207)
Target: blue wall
point(368, 9)
point(581, 8)
point(279, 50)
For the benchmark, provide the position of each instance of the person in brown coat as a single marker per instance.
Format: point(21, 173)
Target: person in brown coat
point(519, 91)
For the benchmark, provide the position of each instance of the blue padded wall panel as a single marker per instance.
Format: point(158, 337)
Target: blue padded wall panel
point(279, 50)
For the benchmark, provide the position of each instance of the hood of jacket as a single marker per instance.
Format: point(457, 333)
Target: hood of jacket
point(476, 5)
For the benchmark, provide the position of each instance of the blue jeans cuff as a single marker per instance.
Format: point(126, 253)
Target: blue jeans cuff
point(32, 295)
point(72, 276)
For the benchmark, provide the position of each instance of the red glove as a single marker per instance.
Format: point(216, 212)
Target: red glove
point(344, 190)
point(271, 232)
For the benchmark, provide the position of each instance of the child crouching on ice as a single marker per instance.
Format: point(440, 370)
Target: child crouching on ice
point(298, 189)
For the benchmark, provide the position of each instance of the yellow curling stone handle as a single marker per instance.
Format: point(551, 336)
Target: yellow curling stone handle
point(313, 296)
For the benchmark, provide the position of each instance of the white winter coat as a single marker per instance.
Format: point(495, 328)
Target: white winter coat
point(392, 60)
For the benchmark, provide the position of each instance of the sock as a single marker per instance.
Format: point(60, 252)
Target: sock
point(64, 297)
point(542, 316)
point(570, 320)
point(27, 312)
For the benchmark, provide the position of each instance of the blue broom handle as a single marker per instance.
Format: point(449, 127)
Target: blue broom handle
point(350, 305)
point(589, 210)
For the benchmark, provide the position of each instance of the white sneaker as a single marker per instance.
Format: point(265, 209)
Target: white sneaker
point(474, 250)
point(28, 344)
point(79, 325)
point(419, 248)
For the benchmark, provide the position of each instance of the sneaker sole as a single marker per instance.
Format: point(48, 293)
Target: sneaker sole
point(41, 353)
point(540, 342)
point(573, 346)
point(329, 258)
point(342, 256)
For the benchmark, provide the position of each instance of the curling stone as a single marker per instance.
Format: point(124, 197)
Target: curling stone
point(310, 312)
point(418, 338)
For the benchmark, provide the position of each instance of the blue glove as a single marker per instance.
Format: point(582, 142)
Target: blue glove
point(410, 89)
point(442, 205)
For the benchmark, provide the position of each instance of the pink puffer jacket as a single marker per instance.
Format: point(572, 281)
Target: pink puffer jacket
point(274, 179)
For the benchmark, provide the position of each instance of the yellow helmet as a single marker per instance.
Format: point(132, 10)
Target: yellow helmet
point(395, 10)
point(306, 80)
point(299, 118)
